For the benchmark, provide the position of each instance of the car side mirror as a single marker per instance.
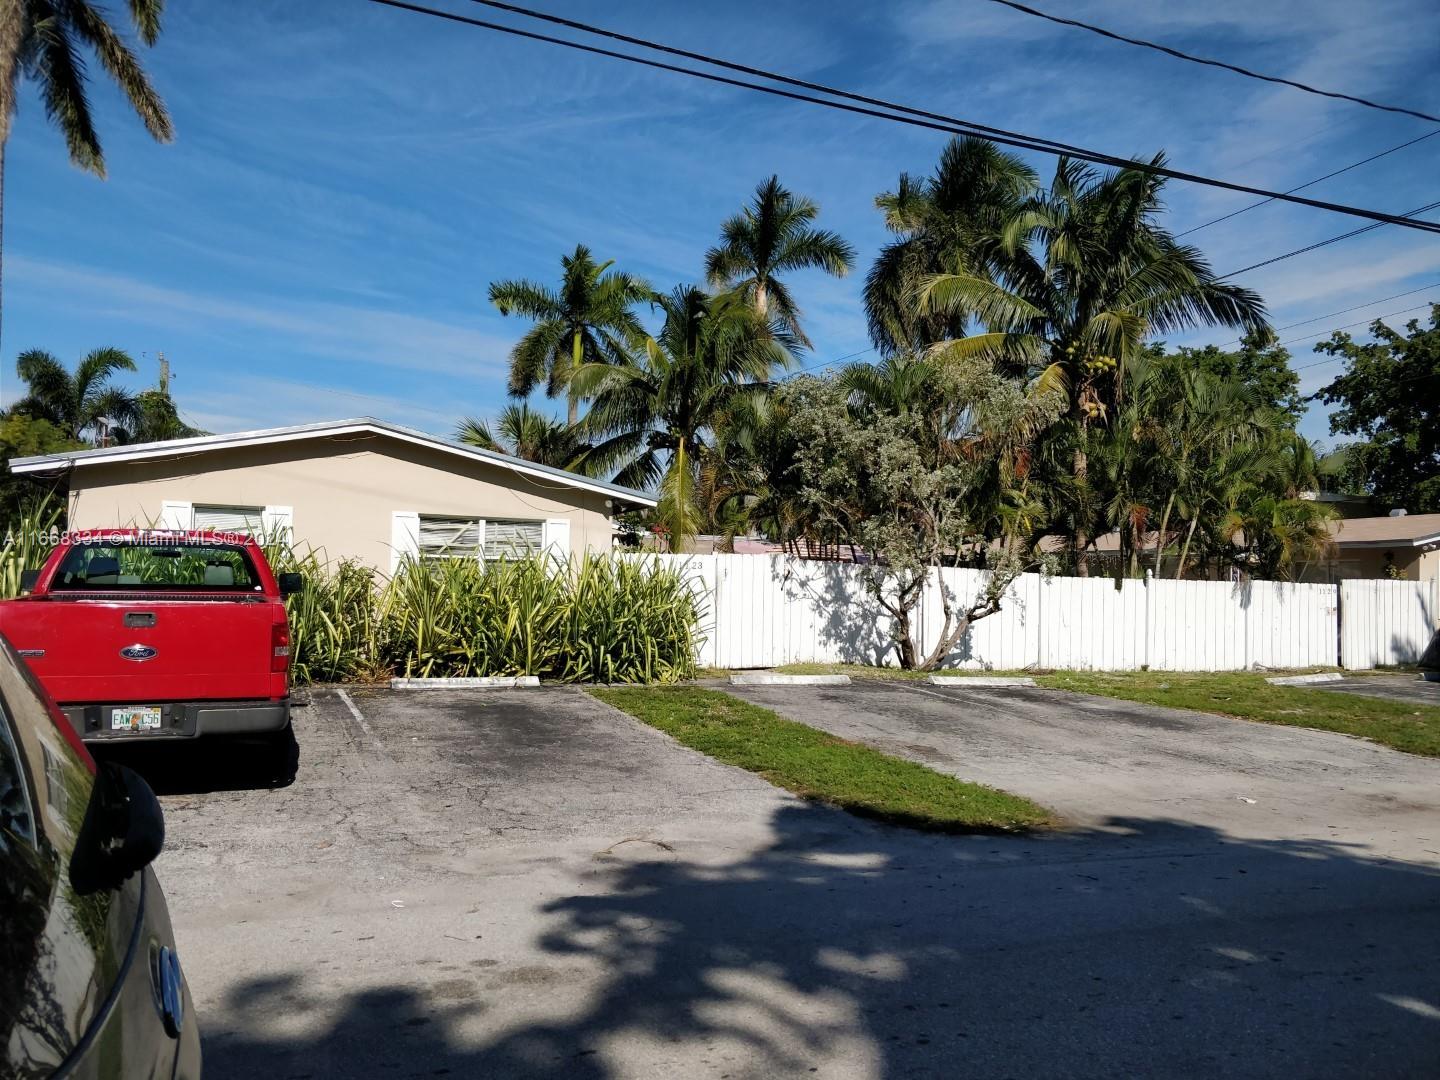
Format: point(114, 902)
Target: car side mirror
point(290, 584)
point(28, 580)
point(122, 834)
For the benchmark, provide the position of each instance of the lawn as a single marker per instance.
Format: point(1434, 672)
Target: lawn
point(1412, 728)
point(821, 767)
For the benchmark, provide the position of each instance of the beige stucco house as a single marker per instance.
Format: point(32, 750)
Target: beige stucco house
point(352, 489)
point(1405, 546)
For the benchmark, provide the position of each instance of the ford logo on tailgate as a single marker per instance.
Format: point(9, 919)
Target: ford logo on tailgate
point(137, 652)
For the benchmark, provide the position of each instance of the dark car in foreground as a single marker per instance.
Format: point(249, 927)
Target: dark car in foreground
point(90, 980)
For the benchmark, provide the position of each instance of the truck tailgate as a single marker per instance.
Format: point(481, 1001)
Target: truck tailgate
point(144, 650)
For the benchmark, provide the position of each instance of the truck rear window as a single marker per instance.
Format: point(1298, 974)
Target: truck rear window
point(143, 567)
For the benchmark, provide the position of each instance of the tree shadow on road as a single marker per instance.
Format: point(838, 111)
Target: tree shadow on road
point(842, 948)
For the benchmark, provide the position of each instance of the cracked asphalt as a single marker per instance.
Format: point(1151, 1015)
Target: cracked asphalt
point(529, 883)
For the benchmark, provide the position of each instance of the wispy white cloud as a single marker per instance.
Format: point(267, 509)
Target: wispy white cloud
point(241, 402)
point(353, 334)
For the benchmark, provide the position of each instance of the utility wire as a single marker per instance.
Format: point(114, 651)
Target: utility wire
point(912, 117)
point(1350, 326)
point(1310, 183)
point(1342, 311)
point(1177, 54)
point(1320, 244)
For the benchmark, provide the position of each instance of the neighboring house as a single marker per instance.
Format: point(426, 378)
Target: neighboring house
point(351, 489)
point(1403, 545)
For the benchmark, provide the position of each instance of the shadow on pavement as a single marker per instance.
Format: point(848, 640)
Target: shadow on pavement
point(222, 763)
point(1151, 948)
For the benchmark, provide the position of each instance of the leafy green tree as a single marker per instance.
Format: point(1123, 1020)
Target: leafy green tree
point(945, 222)
point(588, 320)
point(1260, 363)
point(25, 436)
point(875, 477)
point(654, 416)
point(773, 236)
point(1389, 398)
point(41, 40)
point(522, 432)
point(81, 403)
point(156, 420)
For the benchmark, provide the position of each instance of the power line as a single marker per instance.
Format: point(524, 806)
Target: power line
point(1342, 311)
point(823, 364)
point(1319, 244)
point(1351, 326)
point(911, 117)
point(1309, 183)
point(1177, 54)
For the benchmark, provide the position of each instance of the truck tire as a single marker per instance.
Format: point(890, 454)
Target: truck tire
point(279, 757)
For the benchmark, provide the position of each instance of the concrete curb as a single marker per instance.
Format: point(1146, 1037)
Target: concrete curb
point(1306, 680)
point(492, 682)
point(988, 681)
point(761, 679)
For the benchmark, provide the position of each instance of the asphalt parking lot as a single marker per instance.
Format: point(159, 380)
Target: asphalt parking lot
point(526, 884)
point(1409, 688)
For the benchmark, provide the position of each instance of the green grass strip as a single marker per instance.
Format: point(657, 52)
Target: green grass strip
point(821, 767)
point(1414, 729)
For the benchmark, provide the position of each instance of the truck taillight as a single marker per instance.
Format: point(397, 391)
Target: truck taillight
point(280, 647)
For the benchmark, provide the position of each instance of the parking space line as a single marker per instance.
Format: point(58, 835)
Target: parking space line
point(360, 719)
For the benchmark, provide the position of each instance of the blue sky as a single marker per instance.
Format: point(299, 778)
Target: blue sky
point(347, 179)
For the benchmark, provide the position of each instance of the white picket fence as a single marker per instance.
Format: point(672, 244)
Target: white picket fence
point(765, 610)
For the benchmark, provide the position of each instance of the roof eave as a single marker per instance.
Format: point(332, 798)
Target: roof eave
point(204, 443)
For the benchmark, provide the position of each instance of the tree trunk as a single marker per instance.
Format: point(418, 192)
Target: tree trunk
point(1080, 467)
point(762, 299)
point(2, 227)
point(1160, 536)
point(1185, 551)
point(11, 28)
point(904, 643)
point(576, 351)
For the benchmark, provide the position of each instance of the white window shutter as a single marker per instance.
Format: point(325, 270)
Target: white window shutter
point(404, 537)
point(557, 539)
point(174, 515)
point(277, 523)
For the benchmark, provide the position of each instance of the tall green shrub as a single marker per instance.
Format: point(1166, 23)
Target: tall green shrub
point(28, 539)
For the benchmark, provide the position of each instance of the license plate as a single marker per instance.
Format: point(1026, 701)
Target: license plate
point(135, 718)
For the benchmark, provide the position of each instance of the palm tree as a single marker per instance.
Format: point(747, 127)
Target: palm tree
point(156, 419)
point(41, 40)
point(773, 236)
point(85, 401)
point(1082, 275)
point(943, 222)
point(654, 416)
point(589, 320)
point(522, 432)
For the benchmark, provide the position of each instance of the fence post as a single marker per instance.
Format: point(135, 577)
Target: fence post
point(1149, 607)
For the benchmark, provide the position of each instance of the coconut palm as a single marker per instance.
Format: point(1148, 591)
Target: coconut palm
point(522, 432)
point(1081, 275)
point(81, 403)
point(588, 320)
point(41, 40)
point(1084, 275)
point(942, 222)
point(769, 237)
point(654, 416)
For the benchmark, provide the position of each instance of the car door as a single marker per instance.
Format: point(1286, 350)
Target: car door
point(64, 952)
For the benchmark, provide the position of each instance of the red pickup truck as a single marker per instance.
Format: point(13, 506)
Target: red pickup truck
point(159, 635)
